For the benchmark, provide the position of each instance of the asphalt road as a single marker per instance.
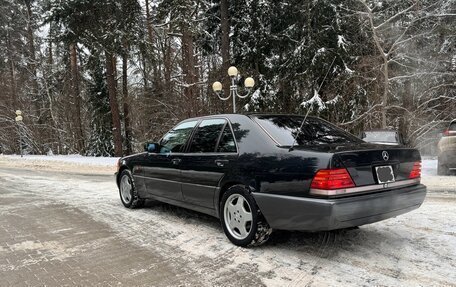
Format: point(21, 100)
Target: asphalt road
point(70, 229)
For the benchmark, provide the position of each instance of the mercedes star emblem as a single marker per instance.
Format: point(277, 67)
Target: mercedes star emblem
point(385, 155)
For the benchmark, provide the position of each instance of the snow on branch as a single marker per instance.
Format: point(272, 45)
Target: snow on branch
point(395, 16)
point(315, 101)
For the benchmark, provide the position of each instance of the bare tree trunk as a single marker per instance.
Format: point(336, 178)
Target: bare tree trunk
point(32, 63)
point(385, 91)
point(225, 46)
point(188, 68)
point(112, 91)
point(126, 105)
point(51, 55)
point(384, 57)
point(167, 65)
point(77, 98)
point(12, 72)
point(150, 31)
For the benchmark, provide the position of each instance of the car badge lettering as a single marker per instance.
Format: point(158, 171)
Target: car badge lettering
point(385, 155)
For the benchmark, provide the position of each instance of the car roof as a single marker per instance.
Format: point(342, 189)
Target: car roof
point(229, 116)
point(249, 115)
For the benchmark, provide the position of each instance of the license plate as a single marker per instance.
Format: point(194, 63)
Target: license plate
point(385, 174)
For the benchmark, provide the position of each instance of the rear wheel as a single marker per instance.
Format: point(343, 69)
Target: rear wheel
point(242, 221)
point(127, 191)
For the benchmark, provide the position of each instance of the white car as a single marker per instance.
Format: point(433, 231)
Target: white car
point(385, 137)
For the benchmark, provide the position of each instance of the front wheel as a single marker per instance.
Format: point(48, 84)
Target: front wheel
point(242, 221)
point(127, 191)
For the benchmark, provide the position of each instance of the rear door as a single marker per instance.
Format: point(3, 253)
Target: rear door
point(212, 152)
point(162, 170)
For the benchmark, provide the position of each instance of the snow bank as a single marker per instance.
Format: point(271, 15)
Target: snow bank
point(429, 166)
point(68, 159)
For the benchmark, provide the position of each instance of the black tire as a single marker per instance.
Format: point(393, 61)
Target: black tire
point(259, 229)
point(133, 200)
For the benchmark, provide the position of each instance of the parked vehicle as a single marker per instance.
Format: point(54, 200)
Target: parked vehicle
point(447, 150)
point(386, 137)
point(262, 172)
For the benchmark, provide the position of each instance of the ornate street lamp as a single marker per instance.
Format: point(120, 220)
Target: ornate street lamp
point(233, 72)
point(19, 121)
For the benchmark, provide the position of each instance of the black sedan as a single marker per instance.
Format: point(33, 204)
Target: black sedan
point(262, 172)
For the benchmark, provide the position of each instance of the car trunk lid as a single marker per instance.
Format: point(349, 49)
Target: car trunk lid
point(364, 165)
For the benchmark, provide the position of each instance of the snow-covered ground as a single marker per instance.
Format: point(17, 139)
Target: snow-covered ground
point(74, 159)
point(65, 163)
point(429, 166)
point(414, 249)
point(433, 181)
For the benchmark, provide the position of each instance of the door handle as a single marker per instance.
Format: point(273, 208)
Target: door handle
point(221, 162)
point(176, 161)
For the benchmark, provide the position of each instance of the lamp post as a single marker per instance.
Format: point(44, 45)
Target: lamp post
point(233, 72)
point(19, 121)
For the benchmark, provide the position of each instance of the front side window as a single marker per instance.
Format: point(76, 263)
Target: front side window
point(207, 135)
point(175, 139)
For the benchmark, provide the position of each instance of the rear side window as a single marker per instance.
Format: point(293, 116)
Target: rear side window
point(227, 143)
point(314, 131)
point(206, 136)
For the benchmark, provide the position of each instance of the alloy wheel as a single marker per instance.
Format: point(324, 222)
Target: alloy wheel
point(238, 216)
point(125, 188)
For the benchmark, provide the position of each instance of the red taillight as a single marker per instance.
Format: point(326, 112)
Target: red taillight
point(446, 133)
point(329, 179)
point(416, 170)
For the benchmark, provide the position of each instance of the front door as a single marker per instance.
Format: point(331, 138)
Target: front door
point(162, 170)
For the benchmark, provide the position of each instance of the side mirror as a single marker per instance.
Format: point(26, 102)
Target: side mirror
point(151, 147)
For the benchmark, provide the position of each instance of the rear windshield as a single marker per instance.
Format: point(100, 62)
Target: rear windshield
point(284, 129)
point(380, 136)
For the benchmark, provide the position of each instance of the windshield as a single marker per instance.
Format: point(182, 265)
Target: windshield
point(314, 131)
point(380, 136)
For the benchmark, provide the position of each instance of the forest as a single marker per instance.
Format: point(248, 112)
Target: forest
point(99, 78)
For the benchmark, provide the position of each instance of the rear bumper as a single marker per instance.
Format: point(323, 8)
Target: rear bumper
point(312, 214)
